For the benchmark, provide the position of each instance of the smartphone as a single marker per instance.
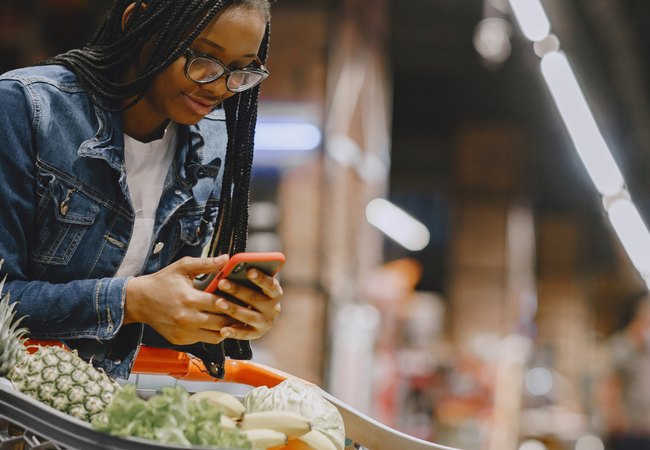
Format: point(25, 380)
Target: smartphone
point(237, 267)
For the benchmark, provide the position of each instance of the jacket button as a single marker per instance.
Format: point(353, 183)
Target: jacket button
point(177, 192)
point(159, 246)
point(65, 207)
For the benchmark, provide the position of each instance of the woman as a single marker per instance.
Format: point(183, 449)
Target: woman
point(121, 161)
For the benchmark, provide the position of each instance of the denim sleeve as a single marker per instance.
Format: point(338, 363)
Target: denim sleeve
point(77, 309)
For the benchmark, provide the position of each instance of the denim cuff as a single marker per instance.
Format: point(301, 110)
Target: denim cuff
point(109, 299)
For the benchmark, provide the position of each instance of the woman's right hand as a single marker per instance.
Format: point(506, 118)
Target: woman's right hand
point(168, 301)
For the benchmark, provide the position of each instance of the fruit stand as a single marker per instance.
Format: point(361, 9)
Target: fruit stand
point(28, 424)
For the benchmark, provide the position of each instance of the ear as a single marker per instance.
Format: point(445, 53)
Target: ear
point(127, 13)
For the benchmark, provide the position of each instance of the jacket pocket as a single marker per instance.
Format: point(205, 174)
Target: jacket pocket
point(63, 216)
point(192, 231)
point(196, 229)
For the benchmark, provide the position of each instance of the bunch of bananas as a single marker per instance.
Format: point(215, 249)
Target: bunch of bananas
point(272, 430)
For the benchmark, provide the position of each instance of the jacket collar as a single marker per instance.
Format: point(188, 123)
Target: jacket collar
point(108, 144)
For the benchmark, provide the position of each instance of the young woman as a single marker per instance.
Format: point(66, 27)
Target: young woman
point(120, 162)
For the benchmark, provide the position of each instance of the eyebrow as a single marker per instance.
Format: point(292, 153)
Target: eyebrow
point(220, 48)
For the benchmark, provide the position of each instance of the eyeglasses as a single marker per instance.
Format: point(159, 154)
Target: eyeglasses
point(204, 69)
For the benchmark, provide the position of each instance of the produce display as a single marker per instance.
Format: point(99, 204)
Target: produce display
point(290, 416)
point(170, 417)
point(215, 418)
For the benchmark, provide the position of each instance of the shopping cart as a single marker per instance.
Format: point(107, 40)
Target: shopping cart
point(26, 424)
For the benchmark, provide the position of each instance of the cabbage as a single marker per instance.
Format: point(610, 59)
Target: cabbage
point(296, 397)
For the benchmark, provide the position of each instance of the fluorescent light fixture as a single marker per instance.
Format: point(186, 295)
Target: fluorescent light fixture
point(547, 45)
point(632, 232)
point(397, 224)
point(532, 19)
point(580, 123)
point(590, 145)
point(286, 136)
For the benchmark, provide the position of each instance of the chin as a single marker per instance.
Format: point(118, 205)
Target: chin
point(188, 120)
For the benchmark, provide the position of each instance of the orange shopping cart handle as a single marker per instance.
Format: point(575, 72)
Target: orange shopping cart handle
point(158, 361)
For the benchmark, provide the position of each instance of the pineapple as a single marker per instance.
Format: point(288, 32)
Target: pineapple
point(53, 375)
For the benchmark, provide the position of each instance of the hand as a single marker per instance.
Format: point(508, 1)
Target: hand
point(256, 319)
point(168, 301)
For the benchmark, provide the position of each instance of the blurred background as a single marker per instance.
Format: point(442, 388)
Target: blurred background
point(460, 188)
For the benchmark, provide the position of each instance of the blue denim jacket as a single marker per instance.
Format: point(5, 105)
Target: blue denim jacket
point(66, 217)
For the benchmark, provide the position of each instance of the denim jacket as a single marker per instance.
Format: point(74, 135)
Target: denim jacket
point(66, 217)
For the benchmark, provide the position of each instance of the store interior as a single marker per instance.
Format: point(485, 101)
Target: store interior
point(478, 313)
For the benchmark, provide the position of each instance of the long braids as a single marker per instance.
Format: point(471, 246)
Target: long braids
point(241, 117)
point(113, 49)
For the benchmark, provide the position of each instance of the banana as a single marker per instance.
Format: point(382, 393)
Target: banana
point(233, 407)
point(292, 424)
point(314, 440)
point(227, 423)
point(269, 439)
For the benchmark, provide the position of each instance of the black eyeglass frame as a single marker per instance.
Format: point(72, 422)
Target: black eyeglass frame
point(191, 55)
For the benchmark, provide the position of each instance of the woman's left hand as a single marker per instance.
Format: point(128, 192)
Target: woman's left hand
point(264, 307)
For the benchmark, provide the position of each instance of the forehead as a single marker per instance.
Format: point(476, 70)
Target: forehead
point(238, 30)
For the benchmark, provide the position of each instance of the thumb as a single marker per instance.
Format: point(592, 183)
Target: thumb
point(197, 266)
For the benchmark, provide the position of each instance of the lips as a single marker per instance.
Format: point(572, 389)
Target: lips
point(199, 105)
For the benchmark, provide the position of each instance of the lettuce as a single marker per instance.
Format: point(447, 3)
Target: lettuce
point(168, 418)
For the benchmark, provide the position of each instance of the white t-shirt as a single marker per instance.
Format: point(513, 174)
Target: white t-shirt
point(146, 166)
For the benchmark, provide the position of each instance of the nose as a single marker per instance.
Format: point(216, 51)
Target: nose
point(217, 87)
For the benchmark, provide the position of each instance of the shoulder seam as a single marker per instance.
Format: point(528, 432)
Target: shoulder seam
point(31, 80)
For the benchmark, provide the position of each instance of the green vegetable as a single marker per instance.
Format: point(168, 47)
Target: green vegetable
point(294, 396)
point(169, 418)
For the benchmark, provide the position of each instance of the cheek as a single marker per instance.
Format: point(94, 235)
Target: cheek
point(166, 87)
point(228, 94)
point(171, 80)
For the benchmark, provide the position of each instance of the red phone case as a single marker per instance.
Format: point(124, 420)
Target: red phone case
point(238, 265)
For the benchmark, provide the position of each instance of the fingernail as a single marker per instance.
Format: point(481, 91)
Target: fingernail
point(253, 273)
point(222, 304)
point(221, 258)
point(225, 284)
point(225, 333)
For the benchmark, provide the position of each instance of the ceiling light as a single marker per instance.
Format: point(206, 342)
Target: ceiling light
point(547, 45)
point(286, 136)
point(492, 39)
point(580, 123)
point(397, 224)
point(532, 18)
point(632, 232)
point(590, 145)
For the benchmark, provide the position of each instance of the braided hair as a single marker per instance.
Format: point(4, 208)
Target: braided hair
point(174, 24)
